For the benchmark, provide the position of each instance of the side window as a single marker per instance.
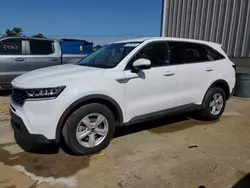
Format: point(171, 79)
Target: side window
point(11, 47)
point(181, 53)
point(156, 52)
point(41, 47)
point(176, 50)
point(213, 55)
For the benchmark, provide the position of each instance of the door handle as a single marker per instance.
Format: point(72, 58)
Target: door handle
point(209, 70)
point(19, 59)
point(169, 74)
point(126, 79)
point(54, 59)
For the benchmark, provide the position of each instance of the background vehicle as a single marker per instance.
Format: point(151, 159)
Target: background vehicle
point(120, 84)
point(21, 54)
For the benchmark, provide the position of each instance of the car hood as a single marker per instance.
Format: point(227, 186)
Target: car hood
point(57, 75)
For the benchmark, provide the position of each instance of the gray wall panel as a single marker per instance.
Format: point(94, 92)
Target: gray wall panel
point(223, 21)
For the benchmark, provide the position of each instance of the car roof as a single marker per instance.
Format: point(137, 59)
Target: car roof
point(46, 39)
point(152, 39)
point(132, 40)
point(29, 38)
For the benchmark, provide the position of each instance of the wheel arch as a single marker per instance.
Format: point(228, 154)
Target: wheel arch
point(223, 85)
point(95, 98)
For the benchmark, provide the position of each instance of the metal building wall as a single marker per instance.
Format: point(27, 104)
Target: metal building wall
point(223, 21)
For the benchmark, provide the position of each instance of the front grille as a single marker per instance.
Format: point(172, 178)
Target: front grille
point(18, 96)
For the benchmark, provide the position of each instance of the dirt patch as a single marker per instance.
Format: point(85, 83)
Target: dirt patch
point(45, 165)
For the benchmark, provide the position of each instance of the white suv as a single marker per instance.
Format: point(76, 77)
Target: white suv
point(119, 84)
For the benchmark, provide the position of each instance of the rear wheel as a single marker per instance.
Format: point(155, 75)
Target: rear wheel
point(89, 129)
point(214, 104)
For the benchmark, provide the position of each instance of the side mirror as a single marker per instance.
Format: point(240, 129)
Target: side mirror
point(141, 64)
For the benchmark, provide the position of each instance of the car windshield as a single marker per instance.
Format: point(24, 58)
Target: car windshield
point(108, 56)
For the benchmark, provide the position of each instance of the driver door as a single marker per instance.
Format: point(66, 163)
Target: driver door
point(150, 90)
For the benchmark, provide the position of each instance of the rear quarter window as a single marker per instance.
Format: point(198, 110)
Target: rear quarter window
point(213, 55)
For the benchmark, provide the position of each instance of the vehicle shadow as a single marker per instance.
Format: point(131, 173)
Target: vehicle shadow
point(158, 125)
point(151, 124)
point(52, 148)
point(31, 146)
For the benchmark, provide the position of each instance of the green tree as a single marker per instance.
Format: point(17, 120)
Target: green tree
point(9, 33)
point(16, 31)
point(39, 35)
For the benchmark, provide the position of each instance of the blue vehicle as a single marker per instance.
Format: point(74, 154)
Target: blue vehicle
point(75, 46)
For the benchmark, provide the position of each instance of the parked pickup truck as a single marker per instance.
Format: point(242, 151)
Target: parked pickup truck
point(22, 54)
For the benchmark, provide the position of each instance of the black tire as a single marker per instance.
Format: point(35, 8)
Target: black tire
point(205, 113)
point(69, 129)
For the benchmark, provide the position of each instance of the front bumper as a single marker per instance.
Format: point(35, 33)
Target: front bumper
point(36, 118)
point(19, 128)
point(41, 116)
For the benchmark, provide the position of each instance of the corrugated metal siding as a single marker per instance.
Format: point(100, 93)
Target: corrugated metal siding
point(223, 21)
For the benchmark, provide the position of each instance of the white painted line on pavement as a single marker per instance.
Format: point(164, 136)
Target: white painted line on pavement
point(70, 181)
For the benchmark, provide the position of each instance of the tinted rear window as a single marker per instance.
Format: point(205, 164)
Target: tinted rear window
point(187, 52)
point(41, 47)
point(182, 52)
point(11, 47)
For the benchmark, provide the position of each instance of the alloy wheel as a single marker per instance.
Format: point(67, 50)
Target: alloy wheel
point(216, 104)
point(92, 130)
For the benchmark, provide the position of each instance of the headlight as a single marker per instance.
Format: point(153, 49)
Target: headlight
point(44, 92)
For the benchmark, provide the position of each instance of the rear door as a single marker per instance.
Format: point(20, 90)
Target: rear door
point(42, 53)
point(12, 60)
point(194, 73)
point(217, 63)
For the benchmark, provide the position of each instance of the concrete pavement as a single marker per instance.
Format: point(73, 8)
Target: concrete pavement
point(170, 152)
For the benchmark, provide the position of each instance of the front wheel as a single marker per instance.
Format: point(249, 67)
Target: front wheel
point(89, 129)
point(213, 104)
